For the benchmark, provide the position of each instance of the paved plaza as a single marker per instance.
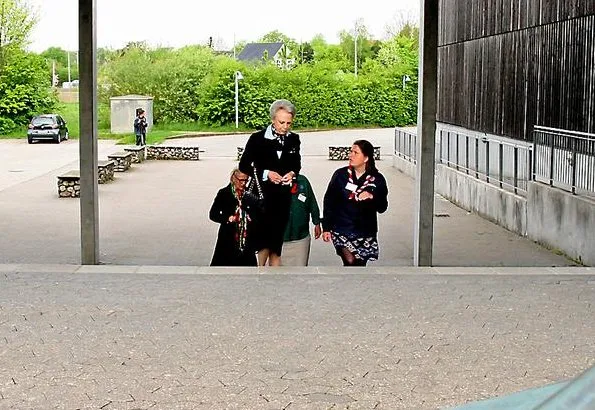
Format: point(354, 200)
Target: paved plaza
point(157, 213)
point(153, 328)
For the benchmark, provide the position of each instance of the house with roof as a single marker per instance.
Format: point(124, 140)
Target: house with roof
point(278, 53)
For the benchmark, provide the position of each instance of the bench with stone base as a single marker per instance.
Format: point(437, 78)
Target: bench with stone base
point(173, 152)
point(341, 153)
point(138, 153)
point(69, 184)
point(122, 160)
point(105, 171)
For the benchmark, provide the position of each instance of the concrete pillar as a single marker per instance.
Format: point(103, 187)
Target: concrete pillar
point(88, 133)
point(426, 134)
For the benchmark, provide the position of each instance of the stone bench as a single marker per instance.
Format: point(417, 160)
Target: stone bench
point(105, 171)
point(164, 152)
point(341, 153)
point(122, 160)
point(138, 153)
point(240, 152)
point(69, 184)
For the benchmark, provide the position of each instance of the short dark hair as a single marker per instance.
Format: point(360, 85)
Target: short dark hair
point(368, 150)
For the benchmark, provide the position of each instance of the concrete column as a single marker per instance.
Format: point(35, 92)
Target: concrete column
point(88, 133)
point(426, 133)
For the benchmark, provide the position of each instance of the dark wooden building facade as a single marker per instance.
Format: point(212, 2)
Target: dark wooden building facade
point(505, 66)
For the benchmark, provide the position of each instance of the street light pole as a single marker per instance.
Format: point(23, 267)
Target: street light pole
point(238, 76)
point(355, 46)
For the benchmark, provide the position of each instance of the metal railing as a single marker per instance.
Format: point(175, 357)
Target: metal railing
point(504, 164)
point(564, 159)
point(406, 145)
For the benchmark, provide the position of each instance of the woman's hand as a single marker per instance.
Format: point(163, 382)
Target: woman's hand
point(364, 196)
point(287, 178)
point(326, 236)
point(274, 177)
point(231, 219)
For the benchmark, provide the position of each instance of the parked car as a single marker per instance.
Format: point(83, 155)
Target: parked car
point(47, 127)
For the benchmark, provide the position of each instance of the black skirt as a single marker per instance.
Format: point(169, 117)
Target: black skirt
point(269, 228)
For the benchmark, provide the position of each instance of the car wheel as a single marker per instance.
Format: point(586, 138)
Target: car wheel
point(66, 136)
point(58, 138)
point(30, 140)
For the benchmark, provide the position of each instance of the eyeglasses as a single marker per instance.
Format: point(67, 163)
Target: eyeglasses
point(242, 180)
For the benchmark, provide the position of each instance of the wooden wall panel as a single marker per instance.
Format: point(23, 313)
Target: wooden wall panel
point(507, 65)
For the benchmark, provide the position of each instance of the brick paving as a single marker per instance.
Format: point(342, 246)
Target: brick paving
point(115, 338)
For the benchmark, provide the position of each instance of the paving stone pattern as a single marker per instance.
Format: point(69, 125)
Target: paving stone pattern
point(245, 341)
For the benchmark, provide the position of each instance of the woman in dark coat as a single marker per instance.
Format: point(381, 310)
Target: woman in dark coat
point(233, 247)
point(354, 197)
point(275, 155)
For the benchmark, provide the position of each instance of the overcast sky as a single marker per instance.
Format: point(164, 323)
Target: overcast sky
point(179, 22)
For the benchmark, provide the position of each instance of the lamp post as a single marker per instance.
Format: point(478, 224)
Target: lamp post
point(406, 79)
point(238, 76)
point(355, 49)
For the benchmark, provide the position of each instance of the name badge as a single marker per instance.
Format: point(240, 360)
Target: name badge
point(350, 187)
point(302, 197)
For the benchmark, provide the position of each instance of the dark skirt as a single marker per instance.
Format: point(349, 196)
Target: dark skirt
point(365, 249)
point(269, 228)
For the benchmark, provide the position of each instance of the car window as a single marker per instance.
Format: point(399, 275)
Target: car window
point(60, 120)
point(43, 121)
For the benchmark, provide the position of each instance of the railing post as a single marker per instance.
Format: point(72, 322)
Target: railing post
point(551, 176)
point(467, 153)
point(440, 145)
point(448, 148)
point(477, 158)
point(500, 163)
point(574, 167)
point(487, 161)
point(515, 176)
point(532, 161)
point(457, 155)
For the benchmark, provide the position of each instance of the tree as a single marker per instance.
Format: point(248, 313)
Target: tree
point(278, 37)
point(366, 46)
point(404, 23)
point(401, 53)
point(330, 55)
point(16, 22)
point(59, 57)
point(24, 77)
point(24, 89)
point(305, 53)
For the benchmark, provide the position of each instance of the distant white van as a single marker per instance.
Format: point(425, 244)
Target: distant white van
point(71, 84)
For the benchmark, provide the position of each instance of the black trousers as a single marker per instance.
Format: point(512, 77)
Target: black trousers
point(141, 139)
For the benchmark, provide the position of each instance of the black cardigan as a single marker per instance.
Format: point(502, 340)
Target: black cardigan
point(263, 153)
point(347, 216)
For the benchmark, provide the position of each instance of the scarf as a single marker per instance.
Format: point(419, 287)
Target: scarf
point(280, 137)
point(241, 219)
point(368, 182)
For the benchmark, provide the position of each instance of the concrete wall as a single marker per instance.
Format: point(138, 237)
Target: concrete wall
point(495, 204)
point(123, 113)
point(562, 220)
point(547, 215)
